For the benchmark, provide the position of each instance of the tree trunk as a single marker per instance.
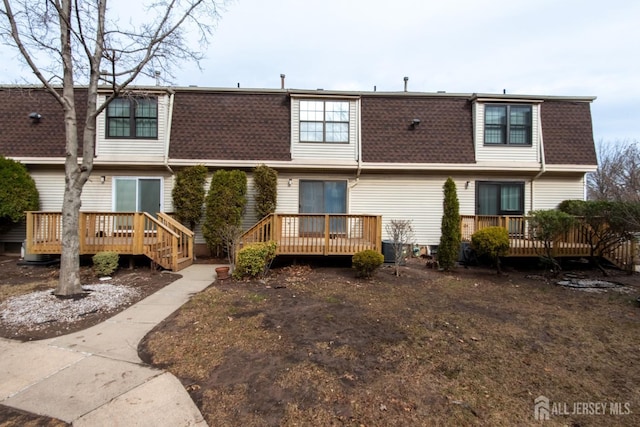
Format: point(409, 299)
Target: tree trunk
point(69, 282)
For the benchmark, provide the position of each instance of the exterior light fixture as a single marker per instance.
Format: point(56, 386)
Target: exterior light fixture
point(35, 117)
point(103, 179)
point(290, 182)
point(414, 123)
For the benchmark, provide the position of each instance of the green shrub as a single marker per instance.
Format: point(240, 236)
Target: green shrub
point(224, 206)
point(18, 193)
point(105, 263)
point(546, 225)
point(366, 262)
point(265, 184)
point(492, 242)
point(449, 247)
point(254, 259)
point(189, 195)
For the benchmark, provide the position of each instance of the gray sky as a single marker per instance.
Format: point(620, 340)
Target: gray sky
point(546, 47)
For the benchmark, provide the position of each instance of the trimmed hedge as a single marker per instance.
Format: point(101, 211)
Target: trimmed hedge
point(254, 259)
point(366, 262)
point(105, 263)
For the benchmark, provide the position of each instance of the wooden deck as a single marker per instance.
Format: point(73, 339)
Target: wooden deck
point(169, 244)
point(318, 234)
point(522, 243)
point(164, 240)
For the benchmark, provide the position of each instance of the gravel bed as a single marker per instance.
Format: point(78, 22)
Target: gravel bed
point(36, 310)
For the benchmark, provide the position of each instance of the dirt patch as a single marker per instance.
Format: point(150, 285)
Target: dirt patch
point(316, 346)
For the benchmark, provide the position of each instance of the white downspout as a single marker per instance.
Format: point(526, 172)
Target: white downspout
point(167, 139)
point(359, 145)
point(542, 158)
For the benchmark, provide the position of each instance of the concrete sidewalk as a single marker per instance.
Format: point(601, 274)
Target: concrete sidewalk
point(95, 378)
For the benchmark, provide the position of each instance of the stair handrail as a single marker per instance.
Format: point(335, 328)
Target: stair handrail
point(175, 224)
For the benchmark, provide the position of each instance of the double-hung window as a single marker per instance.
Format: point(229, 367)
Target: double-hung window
point(324, 121)
point(507, 124)
point(133, 118)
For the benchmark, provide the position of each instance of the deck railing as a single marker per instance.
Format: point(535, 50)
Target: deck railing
point(318, 234)
point(165, 241)
point(572, 243)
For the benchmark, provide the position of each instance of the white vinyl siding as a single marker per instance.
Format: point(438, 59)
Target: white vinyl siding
point(505, 153)
point(139, 150)
point(415, 198)
point(549, 192)
point(324, 150)
point(50, 185)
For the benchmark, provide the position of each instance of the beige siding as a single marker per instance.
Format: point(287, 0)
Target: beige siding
point(288, 198)
point(141, 150)
point(549, 192)
point(415, 198)
point(335, 151)
point(50, 185)
point(506, 154)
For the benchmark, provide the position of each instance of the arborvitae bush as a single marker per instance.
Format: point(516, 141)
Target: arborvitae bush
point(449, 247)
point(18, 193)
point(105, 263)
point(255, 259)
point(265, 184)
point(492, 242)
point(366, 262)
point(188, 195)
point(225, 205)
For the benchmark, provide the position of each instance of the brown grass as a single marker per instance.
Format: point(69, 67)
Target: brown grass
point(319, 347)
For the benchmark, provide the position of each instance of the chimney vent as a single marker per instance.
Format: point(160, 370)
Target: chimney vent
point(406, 81)
point(282, 76)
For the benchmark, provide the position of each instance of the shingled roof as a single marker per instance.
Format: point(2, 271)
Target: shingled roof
point(22, 137)
point(568, 133)
point(444, 135)
point(210, 124)
point(231, 126)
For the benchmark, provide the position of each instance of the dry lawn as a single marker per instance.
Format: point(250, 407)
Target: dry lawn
point(319, 347)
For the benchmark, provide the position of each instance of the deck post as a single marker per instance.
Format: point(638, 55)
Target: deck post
point(82, 232)
point(276, 229)
point(379, 233)
point(327, 234)
point(30, 219)
point(138, 232)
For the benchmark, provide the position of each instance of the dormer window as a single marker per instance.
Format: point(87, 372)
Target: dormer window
point(324, 121)
point(507, 124)
point(135, 117)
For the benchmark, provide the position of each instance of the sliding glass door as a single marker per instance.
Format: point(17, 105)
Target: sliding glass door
point(323, 197)
point(138, 195)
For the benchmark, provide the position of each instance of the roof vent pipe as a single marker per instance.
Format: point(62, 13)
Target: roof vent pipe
point(406, 81)
point(282, 76)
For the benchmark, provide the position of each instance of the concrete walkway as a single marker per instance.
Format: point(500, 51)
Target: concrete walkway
point(95, 378)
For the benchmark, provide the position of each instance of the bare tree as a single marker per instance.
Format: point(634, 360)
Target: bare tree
point(401, 233)
point(62, 41)
point(618, 176)
point(618, 179)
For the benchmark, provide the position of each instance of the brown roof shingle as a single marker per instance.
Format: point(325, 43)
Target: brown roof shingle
point(444, 135)
point(21, 137)
point(246, 125)
point(231, 126)
point(568, 133)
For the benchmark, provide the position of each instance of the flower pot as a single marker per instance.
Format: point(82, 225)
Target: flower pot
point(222, 272)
